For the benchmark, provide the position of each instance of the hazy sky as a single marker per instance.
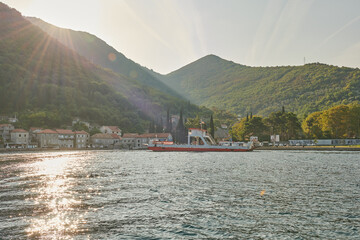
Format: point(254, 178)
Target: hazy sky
point(165, 35)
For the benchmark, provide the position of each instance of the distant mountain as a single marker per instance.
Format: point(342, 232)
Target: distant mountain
point(99, 52)
point(40, 77)
point(212, 81)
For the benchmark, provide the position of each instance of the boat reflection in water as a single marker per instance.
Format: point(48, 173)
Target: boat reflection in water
point(198, 141)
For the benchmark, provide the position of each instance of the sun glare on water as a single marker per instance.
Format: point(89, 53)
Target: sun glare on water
point(54, 199)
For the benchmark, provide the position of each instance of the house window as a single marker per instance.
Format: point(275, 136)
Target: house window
point(19, 135)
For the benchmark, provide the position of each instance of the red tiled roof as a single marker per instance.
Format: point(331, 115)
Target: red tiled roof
point(130, 135)
point(19, 131)
point(154, 135)
point(5, 125)
point(47, 131)
point(80, 132)
point(64, 131)
point(114, 128)
point(116, 136)
point(146, 135)
point(103, 136)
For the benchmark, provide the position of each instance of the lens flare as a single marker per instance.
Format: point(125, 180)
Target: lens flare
point(133, 74)
point(262, 193)
point(112, 57)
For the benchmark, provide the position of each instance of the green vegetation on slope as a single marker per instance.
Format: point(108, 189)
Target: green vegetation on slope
point(212, 81)
point(99, 52)
point(342, 121)
point(47, 83)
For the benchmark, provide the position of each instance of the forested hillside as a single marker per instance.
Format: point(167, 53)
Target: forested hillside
point(99, 52)
point(212, 81)
point(42, 79)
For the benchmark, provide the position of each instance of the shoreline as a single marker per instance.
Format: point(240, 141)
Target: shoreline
point(310, 148)
point(284, 148)
point(24, 150)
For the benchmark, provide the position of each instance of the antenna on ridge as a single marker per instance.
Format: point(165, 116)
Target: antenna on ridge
point(304, 60)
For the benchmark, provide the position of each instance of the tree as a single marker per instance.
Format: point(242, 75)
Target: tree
point(94, 131)
point(341, 121)
point(151, 127)
point(181, 131)
point(244, 129)
point(336, 121)
point(355, 120)
point(212, 127)
point(193, 122)
point(79, 126)
point(286, 124)
point(292, 125)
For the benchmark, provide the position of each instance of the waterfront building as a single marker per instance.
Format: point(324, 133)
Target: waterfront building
point(325, 142)
point(105, 140)
point(33, 137)
point(66, 138)
point(19, 138)
point(131, 140)
point(48, 139)
point(5, 130)
point(141, 141)
point(81, 139)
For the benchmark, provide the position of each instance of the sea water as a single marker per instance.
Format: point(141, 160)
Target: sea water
point(180, 195)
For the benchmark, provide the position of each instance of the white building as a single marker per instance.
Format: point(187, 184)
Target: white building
point(5, 130)
point(81, 139)
point(19, 138)
point(48, 138)
point(110, 130)
point(105, 140)
point(141, 141)
point(66, 138)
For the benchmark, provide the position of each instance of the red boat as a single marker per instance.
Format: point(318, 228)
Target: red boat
point(198, 141)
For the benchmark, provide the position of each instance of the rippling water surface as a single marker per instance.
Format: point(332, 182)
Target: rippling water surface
point(147, 195)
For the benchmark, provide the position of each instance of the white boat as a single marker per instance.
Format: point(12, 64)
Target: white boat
point(198, 141)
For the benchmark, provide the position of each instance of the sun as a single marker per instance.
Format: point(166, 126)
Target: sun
point(77, 15)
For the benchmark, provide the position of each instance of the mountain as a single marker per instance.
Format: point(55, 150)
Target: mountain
point(41, 79)
point(100, 53)
point(212, 81)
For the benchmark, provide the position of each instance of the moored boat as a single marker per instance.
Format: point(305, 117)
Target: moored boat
point(198, 141)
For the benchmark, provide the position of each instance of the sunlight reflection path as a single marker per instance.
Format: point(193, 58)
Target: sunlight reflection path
point(55, 199)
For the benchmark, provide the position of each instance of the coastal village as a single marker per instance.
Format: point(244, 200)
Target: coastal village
point(110, 137)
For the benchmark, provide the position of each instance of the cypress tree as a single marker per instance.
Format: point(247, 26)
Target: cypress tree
point(180, 130)
point(151, 127)
point(168, 127)
point(212, 127)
